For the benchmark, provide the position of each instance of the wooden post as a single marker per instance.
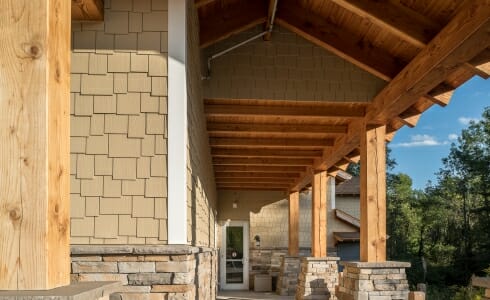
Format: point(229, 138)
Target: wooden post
point(293, 246)
point(35, 135)
point(319, 215)
point(373, 194)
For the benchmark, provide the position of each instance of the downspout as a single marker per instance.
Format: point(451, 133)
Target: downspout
point(221, 53)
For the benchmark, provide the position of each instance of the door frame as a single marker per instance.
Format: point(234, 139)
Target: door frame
point(246, 237)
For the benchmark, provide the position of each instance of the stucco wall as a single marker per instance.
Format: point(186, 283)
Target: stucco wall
point(201, 195)
point(119, 126)
point(286, 68)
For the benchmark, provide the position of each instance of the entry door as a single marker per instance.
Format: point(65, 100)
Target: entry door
point(234, 256)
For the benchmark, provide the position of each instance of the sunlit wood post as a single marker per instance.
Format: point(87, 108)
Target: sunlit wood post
point(319, 215)
point(35, 135)
point(373, 194)
point(293, 242)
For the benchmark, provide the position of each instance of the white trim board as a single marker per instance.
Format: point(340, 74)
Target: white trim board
point(177, 123)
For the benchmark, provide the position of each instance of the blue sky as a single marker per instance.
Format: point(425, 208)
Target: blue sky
point(418, 151)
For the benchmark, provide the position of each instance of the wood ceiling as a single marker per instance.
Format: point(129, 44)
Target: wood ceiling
point(422, 49)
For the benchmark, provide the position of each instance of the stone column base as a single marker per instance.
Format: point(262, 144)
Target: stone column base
point(373, 281)
point(287, 282)
point(318, 278)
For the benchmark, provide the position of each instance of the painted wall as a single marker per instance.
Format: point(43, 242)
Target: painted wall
point(201, 194)
point(247, 201)
point(286, 68)
point(119, 126)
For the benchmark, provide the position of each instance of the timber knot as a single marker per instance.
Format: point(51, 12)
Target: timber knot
point(33, 50)
point(15, 214)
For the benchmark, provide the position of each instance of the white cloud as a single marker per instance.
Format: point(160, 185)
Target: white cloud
point(421, 140)
point(452, 136)
point(466, 120)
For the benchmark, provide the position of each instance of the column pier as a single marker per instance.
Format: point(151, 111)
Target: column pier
point(373, 280)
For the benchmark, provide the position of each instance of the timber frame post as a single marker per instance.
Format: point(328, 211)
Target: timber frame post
point(373, 194)
point(293, 241)
point(35, 132)
point(319, 215)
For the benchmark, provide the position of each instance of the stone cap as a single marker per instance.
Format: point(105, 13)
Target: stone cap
point(137, 249)
point(483, 282)
point(328, 258)
point(76, 291)
point(376, 265)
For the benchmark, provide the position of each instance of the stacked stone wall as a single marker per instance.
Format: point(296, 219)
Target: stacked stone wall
point(373, 281)
point(318, 278)
point(149, 272)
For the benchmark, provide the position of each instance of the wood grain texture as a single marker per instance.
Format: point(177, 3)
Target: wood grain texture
point(87, 10)
point(34, 187)
point(319, 215)
point(465, 37)
point(373, 194)
point(293, 222)
point(396, 18)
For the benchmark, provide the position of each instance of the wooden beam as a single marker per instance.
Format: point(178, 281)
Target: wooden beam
point(354, 156)
point(261, 169)
point(395, 18)
point(227, 161)
point(461, 40)
point(465, 36)
point(290, 175)
point(87, 10)
point(294, 109)
point(254, 180)
point(410, 117)
point(319, 215)
point(321, 32)
point(293, 221)
point(249, 188)
point(34, 129)
point(268, 24)
point(275, 128)
point(373, 194)
point(226, 20)
point(220, 152)
point(271, 143)
point(482, 63)
point(263, 186)
point(199, 3)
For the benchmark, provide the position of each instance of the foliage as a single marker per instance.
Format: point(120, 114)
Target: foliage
point(444, 230)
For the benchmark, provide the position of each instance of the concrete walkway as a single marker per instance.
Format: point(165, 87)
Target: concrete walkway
point(246, 295)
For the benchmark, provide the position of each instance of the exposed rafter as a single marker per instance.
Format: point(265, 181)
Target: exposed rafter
point(271, 143)
point(218, 175)
point(352, 48)
point(199, 3)
point(260, 169)
point(230, 161)
point(215, 107)
point(275, 128)
point(395, 18)
point(87, 10)
point(464, 38)
point(223, 23)
point(265, 153)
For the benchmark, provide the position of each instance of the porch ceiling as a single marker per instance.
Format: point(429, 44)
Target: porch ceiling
point(423, 52)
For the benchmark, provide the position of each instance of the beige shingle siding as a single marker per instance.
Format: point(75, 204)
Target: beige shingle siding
point(201, 195)
point(118, 125)
point(285, 68)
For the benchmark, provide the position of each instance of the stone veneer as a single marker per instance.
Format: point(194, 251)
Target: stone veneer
point(373, 281)
point(318, 278)
point(287, 281)
point(149, 272)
